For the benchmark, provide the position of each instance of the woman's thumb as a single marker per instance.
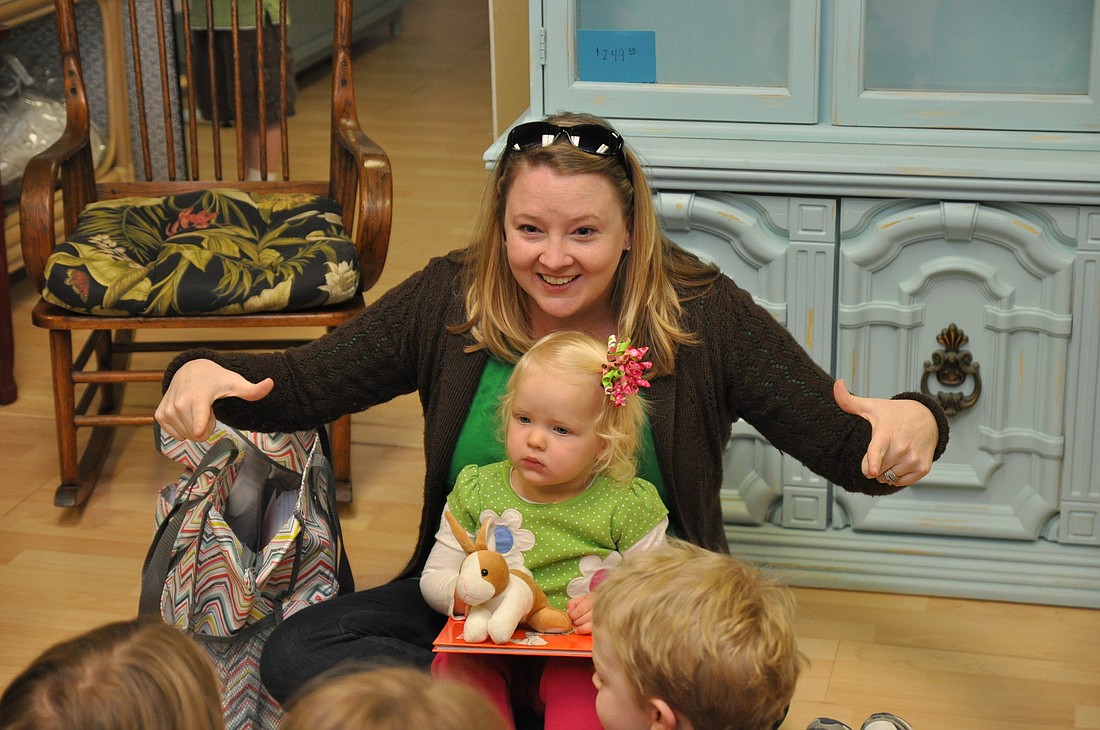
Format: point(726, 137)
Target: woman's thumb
point(854, 404)
point(256, 391)
point(844, 399)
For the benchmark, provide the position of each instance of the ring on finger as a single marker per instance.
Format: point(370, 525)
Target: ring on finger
point(890, 476)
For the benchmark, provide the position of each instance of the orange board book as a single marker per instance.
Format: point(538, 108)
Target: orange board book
point(523, 641)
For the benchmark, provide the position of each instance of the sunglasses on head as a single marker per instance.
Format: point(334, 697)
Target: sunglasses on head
point(595, 139)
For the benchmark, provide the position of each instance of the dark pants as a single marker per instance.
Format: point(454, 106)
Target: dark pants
point(224, 70)
point(387, 625)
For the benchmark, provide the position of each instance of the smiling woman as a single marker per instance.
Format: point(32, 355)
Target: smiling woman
point(565, 235)
point(566, 239)
point(578, 197)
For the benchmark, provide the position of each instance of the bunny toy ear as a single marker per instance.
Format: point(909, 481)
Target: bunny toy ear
point(460, 533)
point(487, 534)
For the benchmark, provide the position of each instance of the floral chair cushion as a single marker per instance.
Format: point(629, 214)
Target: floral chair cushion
point(205, 252)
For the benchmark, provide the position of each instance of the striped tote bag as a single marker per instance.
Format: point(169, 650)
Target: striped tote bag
point(248, 535)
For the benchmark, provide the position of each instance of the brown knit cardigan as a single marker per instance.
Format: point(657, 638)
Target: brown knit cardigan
point(745, 366)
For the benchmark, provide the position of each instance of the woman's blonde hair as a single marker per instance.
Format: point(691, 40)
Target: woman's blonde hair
point(127, 675)
point(708, 634)
point(645, 300)
point(579, 358)
point(389, 698)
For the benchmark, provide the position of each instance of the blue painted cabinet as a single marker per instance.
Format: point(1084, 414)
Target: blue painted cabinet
point(920, 213)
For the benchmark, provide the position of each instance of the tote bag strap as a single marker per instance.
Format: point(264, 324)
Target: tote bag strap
point(154, 571)
point(344, 576)
point(320, 468)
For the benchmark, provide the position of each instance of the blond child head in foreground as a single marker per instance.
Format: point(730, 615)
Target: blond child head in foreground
point(389, 698)
point(687, 638)
point(126, 675)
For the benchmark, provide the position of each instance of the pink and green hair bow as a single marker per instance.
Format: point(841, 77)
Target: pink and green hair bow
point(622, 373)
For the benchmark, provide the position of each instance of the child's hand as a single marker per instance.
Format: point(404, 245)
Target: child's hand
point(579, 611)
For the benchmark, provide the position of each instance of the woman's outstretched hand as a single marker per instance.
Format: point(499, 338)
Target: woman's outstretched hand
point(186, 411)
point(904, 436)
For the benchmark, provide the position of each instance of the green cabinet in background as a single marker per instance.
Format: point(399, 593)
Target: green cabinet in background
point(310, 32)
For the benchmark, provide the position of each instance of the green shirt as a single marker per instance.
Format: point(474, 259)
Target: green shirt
point(565, 545)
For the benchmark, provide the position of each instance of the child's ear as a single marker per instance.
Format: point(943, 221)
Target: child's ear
point(662, 716)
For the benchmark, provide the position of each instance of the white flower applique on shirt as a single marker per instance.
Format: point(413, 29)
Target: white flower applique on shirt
point(512, 539)
point(593, 571)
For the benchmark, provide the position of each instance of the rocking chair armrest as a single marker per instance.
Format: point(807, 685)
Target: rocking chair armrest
point(367, 188)
point(70, 157)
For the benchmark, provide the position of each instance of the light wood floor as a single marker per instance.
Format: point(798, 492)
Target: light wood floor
point(941, 663)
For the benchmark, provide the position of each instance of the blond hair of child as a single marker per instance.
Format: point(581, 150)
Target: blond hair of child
point(126, 675)
point(709, 635)
point(579, 358)
point(389, 698)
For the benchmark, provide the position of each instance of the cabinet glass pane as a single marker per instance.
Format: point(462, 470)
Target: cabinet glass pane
point(1028, 65)
point(1038, 47)
point(701, 41)
point(719, 60)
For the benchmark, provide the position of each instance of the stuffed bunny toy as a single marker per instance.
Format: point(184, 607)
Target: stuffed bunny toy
point(499, 599)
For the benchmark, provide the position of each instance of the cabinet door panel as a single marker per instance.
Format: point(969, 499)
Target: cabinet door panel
point(925, 282)
point(982, 64)
point(1080, 514)
point(748, 61)
point(781, 250)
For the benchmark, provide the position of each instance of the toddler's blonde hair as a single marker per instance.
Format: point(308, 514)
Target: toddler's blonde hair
point(578, 357)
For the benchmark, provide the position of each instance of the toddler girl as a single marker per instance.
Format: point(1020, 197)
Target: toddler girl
point(570, 505)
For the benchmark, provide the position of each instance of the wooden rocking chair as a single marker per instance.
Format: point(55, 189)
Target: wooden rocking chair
point(359, 181)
